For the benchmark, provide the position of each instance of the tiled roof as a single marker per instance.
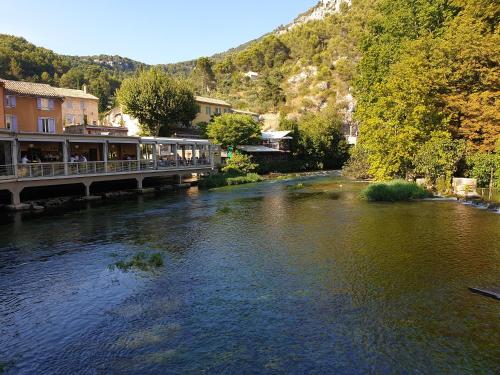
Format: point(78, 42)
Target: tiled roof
point(281, 134)
point(71, 93)
point(30, 88)
point(203, 99)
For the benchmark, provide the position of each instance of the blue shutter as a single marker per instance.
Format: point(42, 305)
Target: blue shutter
point(51, 104)
point(40, 125)
point(39, 103)
point(13, 125)
point(52, 125)
point(13, 101)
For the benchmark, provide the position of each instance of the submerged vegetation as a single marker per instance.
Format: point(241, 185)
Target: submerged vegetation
point(226, 179)
point(394, 191)
point(140, 261)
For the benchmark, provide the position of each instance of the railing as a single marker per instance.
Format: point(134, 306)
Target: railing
point(89, 167)
point(6, 170)
point(34, 170)
point(45, 170)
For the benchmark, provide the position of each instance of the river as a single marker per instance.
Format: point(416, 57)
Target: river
point(267, 278)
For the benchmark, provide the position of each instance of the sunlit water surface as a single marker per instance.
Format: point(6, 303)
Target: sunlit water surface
point(257, 279)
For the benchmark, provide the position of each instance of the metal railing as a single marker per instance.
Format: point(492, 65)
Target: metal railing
point(6, 170)
point(45, 170)
point(89, 167)
point(34, 170)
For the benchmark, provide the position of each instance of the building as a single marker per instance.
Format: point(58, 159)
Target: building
point(87, 129)
point(31, 107)
point(79, 107)
point(208, 107)
point(277, 140)
point(275, 146)
point(251, 75)
point(255, 116)
point(116, 118)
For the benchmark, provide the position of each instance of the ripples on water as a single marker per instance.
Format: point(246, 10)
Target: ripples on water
point(257, 279)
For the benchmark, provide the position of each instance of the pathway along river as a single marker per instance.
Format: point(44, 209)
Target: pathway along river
point(257, 279)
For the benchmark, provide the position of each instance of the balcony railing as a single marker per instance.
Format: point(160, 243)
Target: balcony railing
point(6, 171)
point(47, 170)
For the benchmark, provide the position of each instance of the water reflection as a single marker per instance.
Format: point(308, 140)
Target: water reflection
point(262, 279)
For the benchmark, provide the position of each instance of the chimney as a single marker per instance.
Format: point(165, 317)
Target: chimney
point(84, 88)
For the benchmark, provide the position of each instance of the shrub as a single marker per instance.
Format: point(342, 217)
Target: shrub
point(239, 164)
point(394, 191)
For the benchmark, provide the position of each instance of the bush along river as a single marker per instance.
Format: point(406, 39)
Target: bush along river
point(281, 277)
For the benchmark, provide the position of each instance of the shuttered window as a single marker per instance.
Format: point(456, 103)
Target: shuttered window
point(46, 125)
point(10, 101)
point(11, 122)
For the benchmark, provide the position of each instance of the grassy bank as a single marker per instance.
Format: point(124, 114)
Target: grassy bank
point(224, 179)
point(394, 191)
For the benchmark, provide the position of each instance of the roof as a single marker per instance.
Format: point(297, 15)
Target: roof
point(204, 99)
point(72, 93)
point(245, 112)
point(256, 149)
point(281, 134)
point(30, 88)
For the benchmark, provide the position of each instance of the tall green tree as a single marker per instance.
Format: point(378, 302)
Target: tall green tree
point(232, 129)
point(203, 76)
point(157, 100)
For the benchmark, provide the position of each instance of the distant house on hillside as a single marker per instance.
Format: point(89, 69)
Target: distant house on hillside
point(251, 75)
point(275, 146)
point(116, 118)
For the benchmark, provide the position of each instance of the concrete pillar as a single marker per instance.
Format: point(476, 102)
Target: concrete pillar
point(87, 188)
point(211, 155)
point(15, 197)
point(175, 148)
point(139, 183)
point(105, 155)
point(155, 155)
point(65, 157)
point(138, 156)
point(178, 179)
point(14, 156)
point(183, 147)
point(193, 157)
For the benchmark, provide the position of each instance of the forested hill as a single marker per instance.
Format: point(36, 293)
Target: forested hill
point(22, 60)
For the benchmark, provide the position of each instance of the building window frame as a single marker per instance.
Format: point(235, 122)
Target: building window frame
point(10, 101)
point(10, 122)
point(208, 110)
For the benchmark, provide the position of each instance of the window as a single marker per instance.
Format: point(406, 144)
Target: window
point(46, 125)
point(68, 104)
point(70, 119)
point(45, 104)
point(198, 108)
point(11, 122)
point(217, 111)
point(10, 101)
point(226, 110)
point(208, 110)
point(82, 104)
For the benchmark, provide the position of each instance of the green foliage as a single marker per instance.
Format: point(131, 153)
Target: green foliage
point(394, 191)
point(282, 166)
point(239, 164)
point(219, 180)
point(203, 76)
point(157, 100)
point(439, 156)
point(321, 142)
point(141, 262)
point(232, 129)
point(357, 166)
point(485, 167)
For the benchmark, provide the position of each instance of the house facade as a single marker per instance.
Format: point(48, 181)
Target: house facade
point(31, 108)
point(208, 107)
point(79, 107)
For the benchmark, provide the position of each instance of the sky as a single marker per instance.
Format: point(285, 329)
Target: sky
point(154, 32)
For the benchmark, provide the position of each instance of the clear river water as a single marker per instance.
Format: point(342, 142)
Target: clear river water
point(268, 278)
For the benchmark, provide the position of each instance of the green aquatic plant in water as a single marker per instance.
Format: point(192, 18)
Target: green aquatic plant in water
point(140, 261)
point(394, 191)
point(226, 179)
point(297, 186)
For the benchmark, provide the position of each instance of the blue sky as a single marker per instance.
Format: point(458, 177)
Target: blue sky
point(149, 31)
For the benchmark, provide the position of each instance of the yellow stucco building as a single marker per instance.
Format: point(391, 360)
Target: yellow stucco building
point(79, 107)
point(207, 107)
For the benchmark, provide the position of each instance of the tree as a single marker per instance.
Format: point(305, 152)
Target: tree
point(439, 156)
point(157, 101)
point(321, 142)
point(232, 129)
point(239, 164)
point(203, 75)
